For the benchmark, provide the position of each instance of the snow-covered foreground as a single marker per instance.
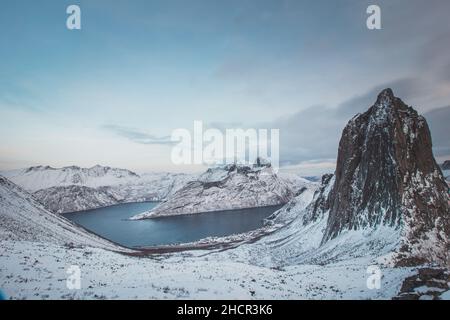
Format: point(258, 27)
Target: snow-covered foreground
point(38, 247)
point(38, 271)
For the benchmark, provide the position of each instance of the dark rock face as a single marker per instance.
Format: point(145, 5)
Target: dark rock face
point(428, 283)
point(322, 200)
point(386, 175)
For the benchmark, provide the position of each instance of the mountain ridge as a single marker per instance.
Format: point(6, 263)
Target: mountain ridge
point(229, 187)
point(388, 195)
point(23, 218)
point(73, 188)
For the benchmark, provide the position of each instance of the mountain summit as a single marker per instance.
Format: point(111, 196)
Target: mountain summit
point(386, 175)
point(388, 193)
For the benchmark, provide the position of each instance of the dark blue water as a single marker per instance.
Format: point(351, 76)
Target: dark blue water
point(112, 223)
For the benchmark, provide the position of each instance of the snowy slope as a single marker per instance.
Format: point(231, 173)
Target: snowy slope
point(22, 218)
point(76, 198)
point(226, 188)
point(43, 177)
point(73, 188)
point(300, 240)
point(107, 275)
point(38, 247)
point(294, 207)
point(297, 183)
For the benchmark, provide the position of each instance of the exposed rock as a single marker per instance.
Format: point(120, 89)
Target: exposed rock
point(428, 283)
point(386, 175)
point(388, 197)
point(228, 187)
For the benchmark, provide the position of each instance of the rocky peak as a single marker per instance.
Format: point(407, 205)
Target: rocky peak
point(385, 97)
point(38, 168)
point(262, 162)
point(386, 175)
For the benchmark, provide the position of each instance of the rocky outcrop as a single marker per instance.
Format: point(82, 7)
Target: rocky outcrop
point(226, 188)
point(386, 175)
point(427, 284)
point(388, 196)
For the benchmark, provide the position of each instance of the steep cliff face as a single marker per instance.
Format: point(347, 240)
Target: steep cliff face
point(386, 175)
point(388, 196)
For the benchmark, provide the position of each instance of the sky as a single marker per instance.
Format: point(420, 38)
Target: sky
point(113, 92)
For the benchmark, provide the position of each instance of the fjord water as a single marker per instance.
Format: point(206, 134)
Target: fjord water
point(113, 224)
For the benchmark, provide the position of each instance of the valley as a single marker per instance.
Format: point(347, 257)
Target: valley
point(385, 208)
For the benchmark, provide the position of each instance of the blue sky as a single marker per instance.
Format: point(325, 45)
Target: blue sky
point(144, 68)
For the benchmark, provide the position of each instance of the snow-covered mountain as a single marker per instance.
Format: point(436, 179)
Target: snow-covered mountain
point(43, 177)
point(73, 188)
point(322, 250)
point(387, 198)
point(230, 187)
point(76, 198)
point(38, 247)
point(23, 218)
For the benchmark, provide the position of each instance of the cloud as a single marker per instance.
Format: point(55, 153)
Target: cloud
point(138, 136)
point(313, 134)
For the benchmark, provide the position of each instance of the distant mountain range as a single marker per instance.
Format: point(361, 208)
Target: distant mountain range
point(230, 187)
point(73, 188)
point(23, 218)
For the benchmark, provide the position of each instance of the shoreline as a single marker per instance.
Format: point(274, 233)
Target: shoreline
point(220, 244)
point(206, 212)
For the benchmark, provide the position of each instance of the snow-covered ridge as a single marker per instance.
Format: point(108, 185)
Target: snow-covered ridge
point(23, 218)
point(43, 177)
point(230, 187)
point(73, 188)
point(70, 189)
